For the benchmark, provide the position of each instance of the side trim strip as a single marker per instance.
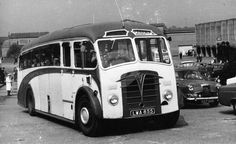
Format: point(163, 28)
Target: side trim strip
point(68, 101)
point(55, 116)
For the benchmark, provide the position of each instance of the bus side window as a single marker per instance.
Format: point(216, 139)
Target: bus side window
point(77, 53)
point(66, 54)
point(55, 54)
point(90, 60)
point(35, 58)
point(27, 60)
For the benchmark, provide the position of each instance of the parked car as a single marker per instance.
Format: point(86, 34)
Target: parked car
point(186, 64)
point(208, 70)
point(193, 87)
point(227, 95)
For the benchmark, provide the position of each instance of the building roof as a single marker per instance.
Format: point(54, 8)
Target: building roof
point(215, 21)
point(5, 44)
point(180, 30)
point(2, 39)
point(92, 31)
point(26, 35)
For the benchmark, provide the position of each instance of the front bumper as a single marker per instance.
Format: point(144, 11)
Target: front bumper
point(202, 98)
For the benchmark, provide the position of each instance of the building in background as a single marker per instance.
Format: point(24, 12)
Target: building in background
point(210, 35)
point(183, 39)
point(20, 39)
point(2, 40)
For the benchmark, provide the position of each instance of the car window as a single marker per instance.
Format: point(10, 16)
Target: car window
point(193, 75)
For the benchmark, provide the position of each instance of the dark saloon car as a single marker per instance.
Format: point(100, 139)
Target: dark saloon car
point(194, 88)
point(227, 95)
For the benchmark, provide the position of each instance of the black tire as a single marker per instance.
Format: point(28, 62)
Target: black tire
point(167, 120)
point(87, 121)
point(234, 107)
point(31, 103)
point(171, 119)
point(214, 104)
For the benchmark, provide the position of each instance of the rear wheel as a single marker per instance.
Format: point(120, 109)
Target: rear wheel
point(31, 103)
point(234, 107)
point(87, 121)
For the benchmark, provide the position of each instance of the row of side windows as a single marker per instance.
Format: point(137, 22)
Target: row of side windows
point(49, 55)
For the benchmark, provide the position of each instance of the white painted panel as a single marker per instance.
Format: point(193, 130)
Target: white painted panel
point(35, 87)
point(43, 91)
point(55, 94)
point(184, 49)
point(67, 94)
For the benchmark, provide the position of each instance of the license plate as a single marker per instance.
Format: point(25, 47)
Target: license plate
point(207, 101)
point(142, 112)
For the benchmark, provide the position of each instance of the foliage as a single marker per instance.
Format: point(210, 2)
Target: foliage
point(13, 51)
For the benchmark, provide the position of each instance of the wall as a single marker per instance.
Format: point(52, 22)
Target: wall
point(181, 39)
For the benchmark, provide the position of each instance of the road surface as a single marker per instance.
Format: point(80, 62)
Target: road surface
point(197, 124)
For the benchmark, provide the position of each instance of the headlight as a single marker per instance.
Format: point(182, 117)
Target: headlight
point(218, 85)
point(113, 100)
point(168, 95)
point(190, 87)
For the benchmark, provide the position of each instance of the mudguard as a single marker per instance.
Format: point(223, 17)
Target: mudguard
point(93, 99)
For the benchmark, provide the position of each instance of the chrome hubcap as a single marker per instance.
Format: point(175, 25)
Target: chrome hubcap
point(84, 115)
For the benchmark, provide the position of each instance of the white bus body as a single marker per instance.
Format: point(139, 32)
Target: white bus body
point(132, 77)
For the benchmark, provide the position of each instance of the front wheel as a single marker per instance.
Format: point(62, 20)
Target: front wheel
point(87, 121)
point(234, 107)
point(31, 103)
point(171, 119)
point(168, 120)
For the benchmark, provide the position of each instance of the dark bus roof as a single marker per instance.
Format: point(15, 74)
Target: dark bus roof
point(91, 31)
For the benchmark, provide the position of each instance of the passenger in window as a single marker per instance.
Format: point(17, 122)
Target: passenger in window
point(56, 62)
point(34, 64)
point(93, 59)
point(47, 62)
point(42, 59)
point(104, 56)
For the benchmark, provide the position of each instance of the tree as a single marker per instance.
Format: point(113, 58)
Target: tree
point(14, 51)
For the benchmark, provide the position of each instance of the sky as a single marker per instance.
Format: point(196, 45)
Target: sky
point(19, 16)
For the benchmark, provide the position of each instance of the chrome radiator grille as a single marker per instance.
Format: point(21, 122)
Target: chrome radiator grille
point(140, 89)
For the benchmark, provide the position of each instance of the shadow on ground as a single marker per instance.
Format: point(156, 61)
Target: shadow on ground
point(198, 106)
point(228, 111)
point(121, 127)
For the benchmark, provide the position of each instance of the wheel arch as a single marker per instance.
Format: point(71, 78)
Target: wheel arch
point(28, 89)
point(93, 99)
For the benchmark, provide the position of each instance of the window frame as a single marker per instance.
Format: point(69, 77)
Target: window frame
point(82, 56)
point(160, 54)
point(112, 39)
point(39, 47)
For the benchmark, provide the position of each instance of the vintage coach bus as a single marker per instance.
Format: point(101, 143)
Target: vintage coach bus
point(87, 73)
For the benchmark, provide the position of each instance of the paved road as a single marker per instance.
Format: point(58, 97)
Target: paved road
point(197, 125)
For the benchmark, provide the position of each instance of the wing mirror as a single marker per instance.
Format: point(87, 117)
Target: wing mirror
point(169, 39)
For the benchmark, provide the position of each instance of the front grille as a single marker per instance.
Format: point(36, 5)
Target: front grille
point(206, 91)
point(140, 89)
point(134, 94)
